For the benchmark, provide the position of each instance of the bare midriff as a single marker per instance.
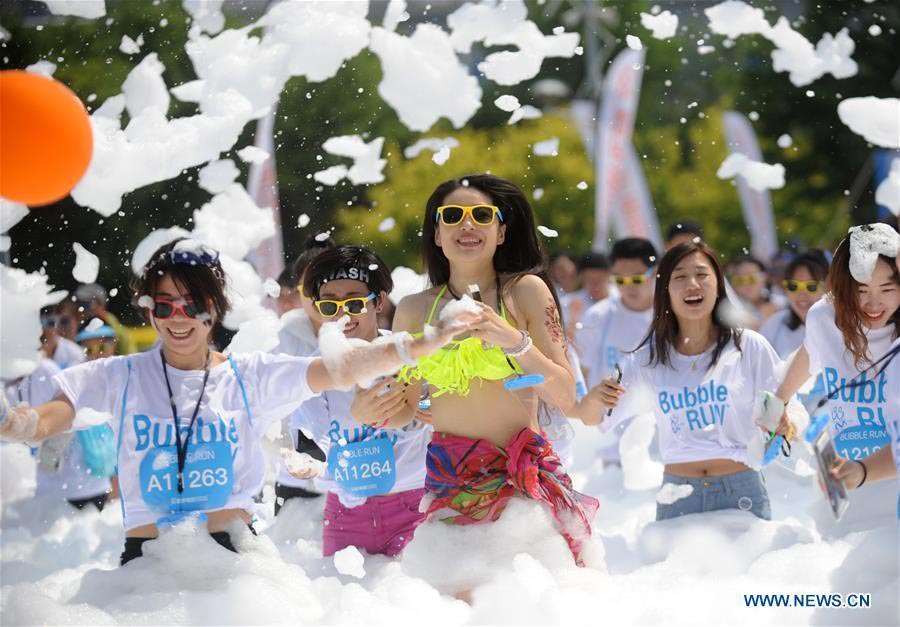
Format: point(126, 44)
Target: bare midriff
point(219, 520)
point(706, 468)
point(489, 412)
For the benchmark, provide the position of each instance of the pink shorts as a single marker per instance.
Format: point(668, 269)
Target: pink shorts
point(383, 525)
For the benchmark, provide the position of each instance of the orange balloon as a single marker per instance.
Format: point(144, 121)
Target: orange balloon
point(45, 138)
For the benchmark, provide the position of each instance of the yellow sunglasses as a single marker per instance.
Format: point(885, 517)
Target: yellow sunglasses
point(810, 287)
point(482, 215)
point(631, 279)
point(354, 306)
point(745, 279)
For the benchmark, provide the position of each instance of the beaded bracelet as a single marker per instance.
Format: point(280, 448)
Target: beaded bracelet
point(521, 348)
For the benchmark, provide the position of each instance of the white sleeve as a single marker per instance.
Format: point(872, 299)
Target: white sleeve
point(816, 321)
point(279, 383)
point(587, 335)
point(96, 385)
point(765, 362)
point(639, 396)
point(41, 382)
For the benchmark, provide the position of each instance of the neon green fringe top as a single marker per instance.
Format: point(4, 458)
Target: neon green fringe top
point(451, 368)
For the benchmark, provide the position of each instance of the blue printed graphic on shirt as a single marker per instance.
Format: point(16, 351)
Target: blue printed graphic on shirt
point(208, 477)
point(362, 460)
point(857, 413)
point(698, 409)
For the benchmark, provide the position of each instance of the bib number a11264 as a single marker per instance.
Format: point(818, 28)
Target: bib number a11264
point(366, 468)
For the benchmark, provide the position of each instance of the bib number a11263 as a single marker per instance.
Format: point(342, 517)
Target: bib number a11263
point(208, 478)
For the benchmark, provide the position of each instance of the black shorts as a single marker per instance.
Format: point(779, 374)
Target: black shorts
point(98, 501)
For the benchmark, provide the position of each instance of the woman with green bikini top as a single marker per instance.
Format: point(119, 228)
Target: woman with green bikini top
point(487, 457)
point(480, 231)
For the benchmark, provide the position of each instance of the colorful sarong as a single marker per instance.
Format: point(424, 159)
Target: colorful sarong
point(471, 482)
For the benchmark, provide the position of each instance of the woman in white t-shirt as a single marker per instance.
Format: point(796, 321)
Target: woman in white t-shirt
point(375, 476)
point(189, 421)
point(847, 332)
point(804, 284)
point(700, 377)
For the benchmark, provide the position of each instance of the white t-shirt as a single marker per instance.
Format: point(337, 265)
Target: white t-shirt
point(327, 418)
point(892, 422)
point(608, 330)
point(701, 413)
point(296, 337)
point(68, 353)
point(225, 459)
point(857, 412)
point(784, 340)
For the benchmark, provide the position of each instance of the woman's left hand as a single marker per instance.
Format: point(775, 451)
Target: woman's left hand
point(494, 330)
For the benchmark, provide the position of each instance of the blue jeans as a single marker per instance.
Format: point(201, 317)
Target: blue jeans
point(742, 490)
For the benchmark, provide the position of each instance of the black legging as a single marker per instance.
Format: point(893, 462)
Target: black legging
point(98, 501)
point(134, 547)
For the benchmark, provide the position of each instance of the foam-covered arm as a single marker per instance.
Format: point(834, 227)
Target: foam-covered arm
point(24, 423)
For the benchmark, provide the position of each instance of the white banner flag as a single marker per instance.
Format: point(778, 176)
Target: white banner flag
point(621, 89)
point(756, 205)
point(262, 185)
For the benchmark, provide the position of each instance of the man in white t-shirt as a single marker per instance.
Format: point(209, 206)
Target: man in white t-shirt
point(593, 272)
point(615, 326)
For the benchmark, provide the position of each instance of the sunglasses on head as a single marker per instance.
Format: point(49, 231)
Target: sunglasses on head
point(482, 215)
point(631, 279)
point(354, 306)
point(810, 287)
point(744, 279)
point(163, 309)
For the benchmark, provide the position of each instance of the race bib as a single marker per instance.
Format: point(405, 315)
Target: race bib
point(208, 478)
point(860, 441)
point(364, 468)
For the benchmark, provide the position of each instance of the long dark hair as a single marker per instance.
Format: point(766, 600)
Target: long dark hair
point(844, 290)
point(664, 329)
point(816, 263)
point(520, 253)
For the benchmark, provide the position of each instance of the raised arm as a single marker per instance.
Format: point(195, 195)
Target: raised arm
point(797, 374)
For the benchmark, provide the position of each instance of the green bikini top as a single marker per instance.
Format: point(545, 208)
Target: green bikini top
point(451, 368)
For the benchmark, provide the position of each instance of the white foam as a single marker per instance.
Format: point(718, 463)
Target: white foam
point(271, 288)
point(547, 231)
point(86, 417)
point(443, 87)
point(88, 9)
point(367, 162)
point(785, 141)
point(888, 192)
point(406, 282)
point(507, 103)
point(758, 175)
point(547, 148)
point(670, 492)
point(131, 46)
point(877, 120)
point(42, 68)
point(663, 25)
point(394, 14)
point(22, 295)
point(866, 243)
point(525, 112)
point(206, 14)
point(253, 154)
point(634, 42)
point(216, 176)
point(87, 264)
point(387, 224)
point(303, 221)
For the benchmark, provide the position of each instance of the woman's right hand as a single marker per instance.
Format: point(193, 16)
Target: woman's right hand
point(374, 406)
point(609, 391)
point(850, 472)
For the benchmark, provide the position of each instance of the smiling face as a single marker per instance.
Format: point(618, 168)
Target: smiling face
point(693, 288)
point(363, 326)
point(880, 297)
point(635, 297)
point(801, 300)
point(748, 281)
point(180, 334)
point(468, 241)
